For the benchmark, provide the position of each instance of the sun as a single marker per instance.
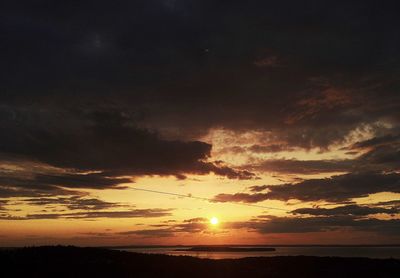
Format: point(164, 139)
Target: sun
point(214, 221)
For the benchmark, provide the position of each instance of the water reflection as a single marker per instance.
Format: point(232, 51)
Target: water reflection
point(370, 252)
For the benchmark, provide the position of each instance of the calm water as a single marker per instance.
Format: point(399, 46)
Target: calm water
point(370, 252)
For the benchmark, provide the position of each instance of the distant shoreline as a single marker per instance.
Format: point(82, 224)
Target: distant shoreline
point(227, 249)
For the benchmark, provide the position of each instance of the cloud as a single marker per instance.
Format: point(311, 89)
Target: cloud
point(73, 203)
point(194, 225)
point(392, 203)
point(241, 197)
point(273, 148)
point(177, 82)
point(382, 154)
point(28, 184)
point(355, 210)
point(384, 157)
point(335, 189)
point(2, 203)
point(377, 141)
point(167, 232)
point(328, 99)
point(133, 213)
point(292, 166)
point(95, 180)
point(12, 191)
point(338, 188)
point(129, 99)
point(109, 144)
point(101, 235)
point(54, 181)
point(191, 227)
point(319, 224)
point(196, 220)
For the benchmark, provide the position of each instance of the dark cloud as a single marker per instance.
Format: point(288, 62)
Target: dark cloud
point(8, 192)
point(258, 149)
point(320, 224)
point(355, 210)
point(191, 227)
point(194, 225)
point(166, 232)
point(2, 203)
point(95, 180)
point(335, 189)
point(53, 181)
point(377, 141)
point(173, 64)
point(382, 154)
point(73, 203)
point(42, 185)
point(196, 220)
point(91, 234)
point(108, 143)
point(393, 203)
point(241, 197)
point(133, 213)
point(384, 157)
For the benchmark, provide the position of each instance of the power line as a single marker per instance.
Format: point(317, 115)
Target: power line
point(203, 199)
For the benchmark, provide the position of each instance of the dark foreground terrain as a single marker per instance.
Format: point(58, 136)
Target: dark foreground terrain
point(94, 262)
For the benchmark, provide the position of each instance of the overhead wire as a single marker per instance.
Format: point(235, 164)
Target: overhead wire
point(204, 199)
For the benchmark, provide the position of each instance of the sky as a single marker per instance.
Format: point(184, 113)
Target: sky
point(136, 122)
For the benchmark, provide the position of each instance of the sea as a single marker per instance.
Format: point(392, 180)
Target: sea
point(380, 252)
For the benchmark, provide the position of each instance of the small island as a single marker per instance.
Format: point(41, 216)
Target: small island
point(227, 249)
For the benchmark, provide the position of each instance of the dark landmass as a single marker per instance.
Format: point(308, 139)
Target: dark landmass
point(226, 249)
point(95, 262)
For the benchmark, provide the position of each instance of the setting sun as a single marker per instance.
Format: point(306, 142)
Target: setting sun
point(214, 221)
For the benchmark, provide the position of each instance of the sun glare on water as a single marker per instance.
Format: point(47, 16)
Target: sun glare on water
point(214, 221)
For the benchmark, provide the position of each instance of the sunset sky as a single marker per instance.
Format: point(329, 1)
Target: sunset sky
point(279, 118)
